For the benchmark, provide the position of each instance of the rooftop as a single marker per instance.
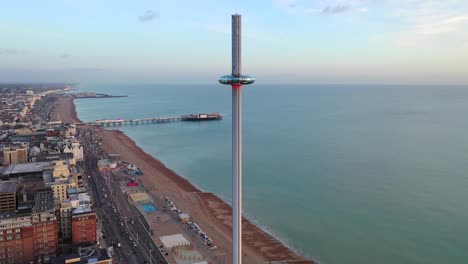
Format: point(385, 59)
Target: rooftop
point(8, 186)
point(85, 255)
point(72, 191)
point(174, 240)
point(54, 157)
point(7, 214)
point(26, 168)
point(82, 210)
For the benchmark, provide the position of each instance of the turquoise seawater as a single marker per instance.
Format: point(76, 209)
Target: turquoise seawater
point(343, 174)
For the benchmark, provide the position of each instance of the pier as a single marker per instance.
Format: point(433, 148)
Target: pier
point(153, 120)
point(87, 95)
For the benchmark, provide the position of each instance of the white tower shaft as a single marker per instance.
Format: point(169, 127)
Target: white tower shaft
point(236, 144)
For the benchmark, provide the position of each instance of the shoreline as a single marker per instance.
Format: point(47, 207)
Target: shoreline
point(209, 209)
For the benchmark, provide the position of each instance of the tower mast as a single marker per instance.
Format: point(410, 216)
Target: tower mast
point(236, 80)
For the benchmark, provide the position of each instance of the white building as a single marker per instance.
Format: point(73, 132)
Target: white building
point(76, 149)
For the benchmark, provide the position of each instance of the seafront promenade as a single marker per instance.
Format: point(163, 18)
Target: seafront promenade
point(211, 213)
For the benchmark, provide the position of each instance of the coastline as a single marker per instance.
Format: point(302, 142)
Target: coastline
point(208, 209)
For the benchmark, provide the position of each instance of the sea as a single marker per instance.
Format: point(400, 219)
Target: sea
point(339, 173)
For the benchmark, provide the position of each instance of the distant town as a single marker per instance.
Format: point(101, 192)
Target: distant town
point(52, 208)
point(63, 200)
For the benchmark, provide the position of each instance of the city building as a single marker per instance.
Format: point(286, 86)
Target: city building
point(55, 157)
point(105, 164)
point(80, 200)
point(16, 238)
point(25, 170)
point(76, 149)
point(65, 219)
point(84, 226)
point(45, 235)
point(8, 191)
point(28, 237)
point(76, 200)
point(15, 155)
point(78, 179)
point(113, 157)
point(59, 185)
point(60, 169)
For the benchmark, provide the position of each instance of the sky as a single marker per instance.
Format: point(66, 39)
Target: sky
point(284, 41)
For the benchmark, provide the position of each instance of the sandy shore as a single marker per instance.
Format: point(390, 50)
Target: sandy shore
point(209, 211)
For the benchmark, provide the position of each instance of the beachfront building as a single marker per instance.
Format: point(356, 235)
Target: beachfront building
point(60, 130)
point(70, 130)
point(84, 226)
point(106, 164)
point(15, 155)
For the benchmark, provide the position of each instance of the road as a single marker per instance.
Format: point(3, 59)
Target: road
point(115, 212)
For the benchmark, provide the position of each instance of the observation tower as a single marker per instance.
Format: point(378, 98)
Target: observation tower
point(236, 80)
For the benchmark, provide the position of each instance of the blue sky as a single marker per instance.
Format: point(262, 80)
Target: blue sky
point(287, 41)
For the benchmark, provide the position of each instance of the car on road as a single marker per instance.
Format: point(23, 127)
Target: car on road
point(119, 245)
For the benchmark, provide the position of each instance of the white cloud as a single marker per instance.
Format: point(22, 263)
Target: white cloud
point(317, 7)
point(430, 23)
